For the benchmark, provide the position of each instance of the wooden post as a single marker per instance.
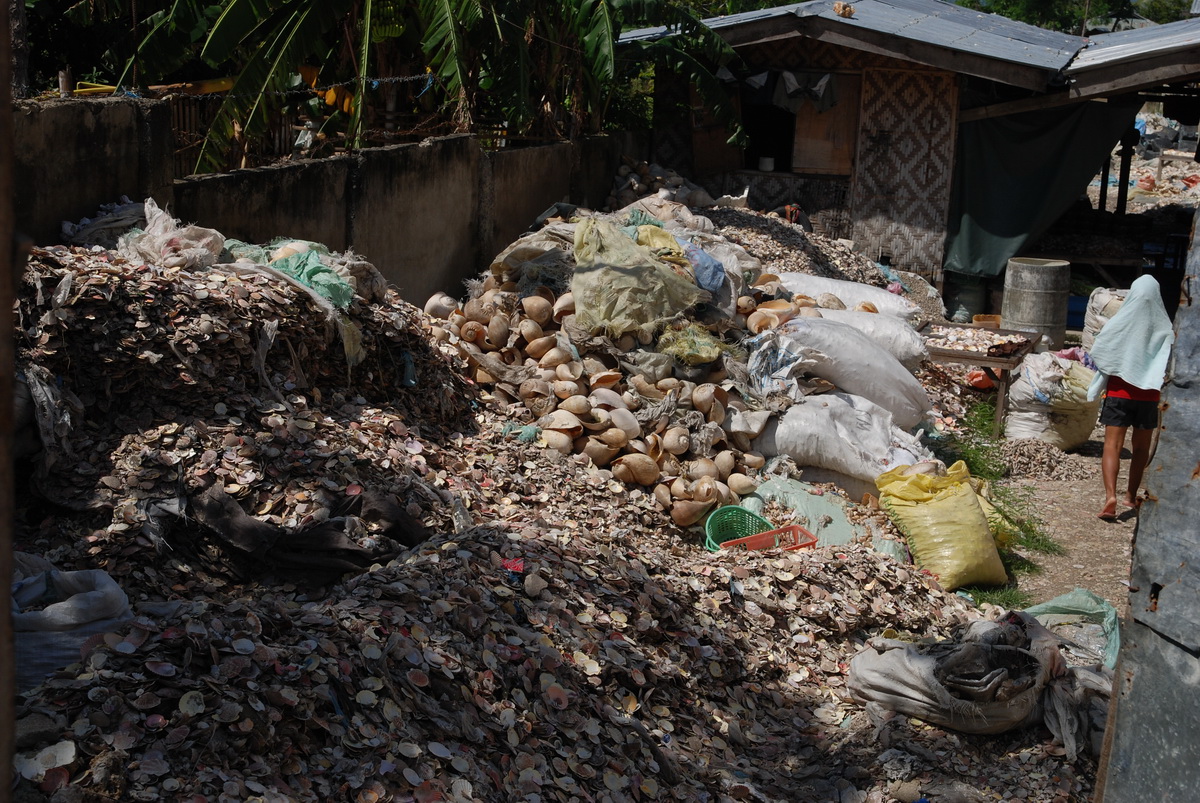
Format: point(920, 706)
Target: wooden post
point(7, 283)
point(1104, 182)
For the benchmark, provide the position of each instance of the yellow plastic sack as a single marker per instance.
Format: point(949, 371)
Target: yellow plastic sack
point(620, 286)
point(946, 528)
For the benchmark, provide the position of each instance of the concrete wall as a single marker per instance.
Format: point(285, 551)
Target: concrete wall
point(428, 215)
point(416, 214)
point(305, 200)
point(70, 156)
point(524, 183)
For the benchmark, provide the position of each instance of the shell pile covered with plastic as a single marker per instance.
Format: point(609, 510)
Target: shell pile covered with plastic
point(616, 348)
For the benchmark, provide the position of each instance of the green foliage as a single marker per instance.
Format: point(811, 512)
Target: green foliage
point(975, 445)
point(1164, 11)
point(1068, 16)
point(1008, 597)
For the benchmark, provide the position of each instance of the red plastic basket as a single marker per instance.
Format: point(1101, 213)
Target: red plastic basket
point(791, 537)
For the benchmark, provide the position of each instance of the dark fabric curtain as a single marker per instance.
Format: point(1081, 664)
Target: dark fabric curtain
point(1015, 175)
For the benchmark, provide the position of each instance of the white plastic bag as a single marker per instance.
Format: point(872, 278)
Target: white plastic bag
point(838, 353)
point(843, 433)
point(1103, 303)
point(850, 293)
point(166, 244)
point(80, 605)
point(892, 333)
point(1048, 401)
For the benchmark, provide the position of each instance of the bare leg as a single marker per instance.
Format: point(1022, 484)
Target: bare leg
point(1137, 464)
point(1110, 465)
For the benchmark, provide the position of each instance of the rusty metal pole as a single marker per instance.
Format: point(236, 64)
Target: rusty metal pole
point(7, 283)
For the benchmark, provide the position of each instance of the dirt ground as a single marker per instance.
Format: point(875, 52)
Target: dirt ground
point(1098, 553)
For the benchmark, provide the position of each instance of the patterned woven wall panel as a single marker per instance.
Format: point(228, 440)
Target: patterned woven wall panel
point(824, 200)
point(905, 163)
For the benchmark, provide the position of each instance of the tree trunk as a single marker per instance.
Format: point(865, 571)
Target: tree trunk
point(19, 40)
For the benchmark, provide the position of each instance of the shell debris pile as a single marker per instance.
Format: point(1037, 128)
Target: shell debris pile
point(169, 380)
point(966, 338)
point(585, 399)
point(1030, 458)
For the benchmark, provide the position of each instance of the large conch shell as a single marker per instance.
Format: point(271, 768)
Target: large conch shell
point(564, 306)
point(637, 469)
point(558, 440)
point(440, 305)
point(626, 422)
point(537, 396)
point(530, 330)
point(554, 357)
point(538, 309)
point(563, 421)
point(686, 512)
point(538, 348)
point(676, 440)
point(600, 452)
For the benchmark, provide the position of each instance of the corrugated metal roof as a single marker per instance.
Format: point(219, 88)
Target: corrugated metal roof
point(1157, 40)
point(932, 22)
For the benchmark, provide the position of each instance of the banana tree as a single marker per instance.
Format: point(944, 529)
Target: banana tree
point(550, 68)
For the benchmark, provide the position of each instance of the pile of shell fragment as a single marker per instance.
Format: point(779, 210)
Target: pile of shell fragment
point(567, 643)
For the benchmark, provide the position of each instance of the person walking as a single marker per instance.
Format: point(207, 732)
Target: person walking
point(1131, 354)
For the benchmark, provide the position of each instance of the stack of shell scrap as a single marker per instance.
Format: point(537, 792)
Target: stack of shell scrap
point(156, 384)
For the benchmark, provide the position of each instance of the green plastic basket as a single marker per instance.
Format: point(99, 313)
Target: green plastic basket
point(730, 522)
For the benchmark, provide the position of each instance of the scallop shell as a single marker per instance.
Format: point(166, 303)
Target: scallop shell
point(830, 301)
point(635, 468)
point(564, 306)
point(572, 370)
point(625, 421)
point(686, 512)
point(554, 357)
point(557, 440)
point(440, 305)
point(865, 306)
point(600, 452)
point(538, 309)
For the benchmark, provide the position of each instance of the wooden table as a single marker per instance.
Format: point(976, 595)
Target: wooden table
point(998, 369)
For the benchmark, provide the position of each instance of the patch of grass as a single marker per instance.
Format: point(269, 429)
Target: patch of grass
point(1017, 507)
point(975, 445)
point(1007, 597)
